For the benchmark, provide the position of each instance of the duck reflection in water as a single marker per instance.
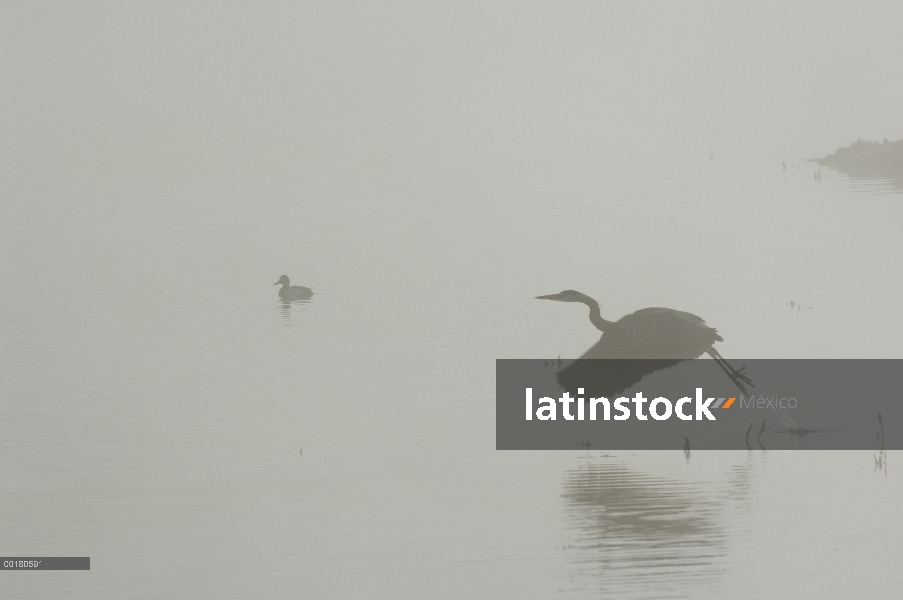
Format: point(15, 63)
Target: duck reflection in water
point(286, 307)
point(662, 337)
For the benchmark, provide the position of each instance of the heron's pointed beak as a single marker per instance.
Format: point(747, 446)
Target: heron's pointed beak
point(549, 297)
point(277, 283)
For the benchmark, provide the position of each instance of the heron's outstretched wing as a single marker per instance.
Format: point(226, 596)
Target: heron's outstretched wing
point(608, 378)
point(608, 368)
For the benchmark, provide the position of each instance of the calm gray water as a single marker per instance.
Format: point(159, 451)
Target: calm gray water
point(165, 414)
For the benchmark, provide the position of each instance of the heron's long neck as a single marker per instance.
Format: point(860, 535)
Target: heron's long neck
point(595, 316)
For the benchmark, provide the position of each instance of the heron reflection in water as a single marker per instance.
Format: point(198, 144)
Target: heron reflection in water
point(629, 528)
point(663, 336)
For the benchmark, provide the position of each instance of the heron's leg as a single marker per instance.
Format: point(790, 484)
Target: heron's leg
point(737, 376)
point(734, 376)
point(727, 367)
point(736, 372)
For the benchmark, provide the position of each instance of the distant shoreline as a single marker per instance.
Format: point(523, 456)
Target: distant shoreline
point(869, 160)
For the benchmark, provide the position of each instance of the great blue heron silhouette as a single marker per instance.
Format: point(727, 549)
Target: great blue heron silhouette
point(662, 337)
point(293, 292)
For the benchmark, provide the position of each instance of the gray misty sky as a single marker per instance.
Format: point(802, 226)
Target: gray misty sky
point(130, 85)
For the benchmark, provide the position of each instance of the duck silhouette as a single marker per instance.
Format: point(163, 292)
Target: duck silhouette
point(293, 292)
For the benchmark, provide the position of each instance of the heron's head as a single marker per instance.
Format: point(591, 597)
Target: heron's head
point(283, 280)
point(565, 296)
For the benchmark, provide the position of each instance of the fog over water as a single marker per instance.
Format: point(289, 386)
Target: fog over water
point(427, 171)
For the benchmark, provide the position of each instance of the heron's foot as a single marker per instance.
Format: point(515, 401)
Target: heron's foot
point(739, 381)
point(738, 374)
point(745, 379)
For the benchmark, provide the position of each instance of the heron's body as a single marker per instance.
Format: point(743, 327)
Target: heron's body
point(293, 292)
point(657, 333)
point(663, 335)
